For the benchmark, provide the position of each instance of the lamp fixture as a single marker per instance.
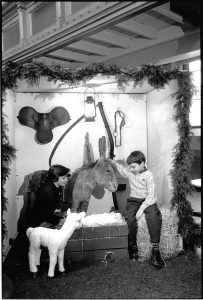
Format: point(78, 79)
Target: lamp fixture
point(89, 107)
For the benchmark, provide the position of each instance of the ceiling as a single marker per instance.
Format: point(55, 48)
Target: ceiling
point(153, 26)
point(137, 32)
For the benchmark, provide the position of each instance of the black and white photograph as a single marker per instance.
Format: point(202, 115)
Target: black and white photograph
point(100, 150)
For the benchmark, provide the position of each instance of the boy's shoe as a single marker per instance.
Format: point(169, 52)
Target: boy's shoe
point(156, 259)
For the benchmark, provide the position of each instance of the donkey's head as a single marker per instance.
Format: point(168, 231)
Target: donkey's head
point(105, 174)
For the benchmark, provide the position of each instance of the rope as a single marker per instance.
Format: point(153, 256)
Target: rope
point(61, 138)
point(111, 154)
point(122, 123)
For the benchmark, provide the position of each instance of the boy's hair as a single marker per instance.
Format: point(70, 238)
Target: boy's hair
point(56, 171)
point(136, 157)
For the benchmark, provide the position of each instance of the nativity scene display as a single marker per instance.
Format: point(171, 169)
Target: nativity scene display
point(95, 167)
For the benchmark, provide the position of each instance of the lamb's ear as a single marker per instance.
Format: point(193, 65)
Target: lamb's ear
point(82, 215)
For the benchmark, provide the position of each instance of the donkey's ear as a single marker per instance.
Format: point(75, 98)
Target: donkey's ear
point(100, 161)
point(68, 211)
point(102, 147)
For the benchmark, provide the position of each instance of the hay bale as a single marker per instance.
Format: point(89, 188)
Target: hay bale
point(170, 241)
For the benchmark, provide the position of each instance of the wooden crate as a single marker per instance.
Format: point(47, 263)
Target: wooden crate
point(93, 242)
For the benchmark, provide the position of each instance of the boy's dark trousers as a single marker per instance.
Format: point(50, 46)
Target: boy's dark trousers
point(153, 218)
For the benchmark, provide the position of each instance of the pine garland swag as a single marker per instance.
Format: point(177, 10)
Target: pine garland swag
point(8, 154)
point(157, 77)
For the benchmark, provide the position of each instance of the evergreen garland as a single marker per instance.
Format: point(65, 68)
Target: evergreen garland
point(157, 77)
point(8, 154)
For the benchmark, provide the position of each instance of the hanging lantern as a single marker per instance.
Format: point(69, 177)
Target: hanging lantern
point(90, 109)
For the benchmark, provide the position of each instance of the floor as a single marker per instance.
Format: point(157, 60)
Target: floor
point(119, 279)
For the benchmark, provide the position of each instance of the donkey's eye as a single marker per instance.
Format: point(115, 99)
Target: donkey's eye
point(108, 171)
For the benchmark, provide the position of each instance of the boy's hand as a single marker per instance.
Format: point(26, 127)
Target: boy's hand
point(139, 214)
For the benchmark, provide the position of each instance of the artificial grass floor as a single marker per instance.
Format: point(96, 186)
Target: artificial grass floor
point(119, 279)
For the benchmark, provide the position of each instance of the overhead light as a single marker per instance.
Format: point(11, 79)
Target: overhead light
point(90, 108)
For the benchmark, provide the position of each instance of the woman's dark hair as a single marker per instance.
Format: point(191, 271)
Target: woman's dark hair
point(136, 157)
point(56, 171)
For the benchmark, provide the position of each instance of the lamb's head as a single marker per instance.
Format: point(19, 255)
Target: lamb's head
point(75, 217)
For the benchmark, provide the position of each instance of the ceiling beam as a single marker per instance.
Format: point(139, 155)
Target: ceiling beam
point(169, 14)
point(117, 12)
point(115, 39)
point(90, 47)
point(62, 59)
point(182, 57)
point(52, 60)
point(168, 34)
point(69, 55)
point(138, 28)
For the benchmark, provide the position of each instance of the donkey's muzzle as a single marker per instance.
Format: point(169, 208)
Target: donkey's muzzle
point(112, 187)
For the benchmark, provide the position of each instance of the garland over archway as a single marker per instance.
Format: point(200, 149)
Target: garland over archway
point(157, 77)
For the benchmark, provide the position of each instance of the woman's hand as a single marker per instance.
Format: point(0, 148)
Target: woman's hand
point(60, 214)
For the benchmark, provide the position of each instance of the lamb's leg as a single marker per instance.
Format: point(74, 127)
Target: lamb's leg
point(61, 260)
point(52, 262)
point(32, 259)
point(38, 254)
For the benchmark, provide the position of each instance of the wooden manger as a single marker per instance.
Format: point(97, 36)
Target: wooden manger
point(93, 242)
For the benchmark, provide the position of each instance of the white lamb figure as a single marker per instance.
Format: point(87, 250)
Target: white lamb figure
point(55, 240)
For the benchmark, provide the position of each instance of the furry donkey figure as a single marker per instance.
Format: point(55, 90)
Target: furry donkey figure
point(55, 240)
